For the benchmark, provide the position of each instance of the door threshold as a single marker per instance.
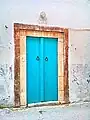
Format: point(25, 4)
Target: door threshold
point(50, 103)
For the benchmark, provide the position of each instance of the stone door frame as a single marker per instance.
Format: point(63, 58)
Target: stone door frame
point(20, 33)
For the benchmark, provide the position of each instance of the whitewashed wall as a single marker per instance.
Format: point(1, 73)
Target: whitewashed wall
point(79, 65)
point(62, 13)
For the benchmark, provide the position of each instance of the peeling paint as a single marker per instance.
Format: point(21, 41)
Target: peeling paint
point(79, 76)
point(80, 79)
point(5, 79)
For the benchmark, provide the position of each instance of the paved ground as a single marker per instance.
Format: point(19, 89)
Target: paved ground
point(72, 112)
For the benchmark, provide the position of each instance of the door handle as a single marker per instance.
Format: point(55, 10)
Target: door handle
point(37, 58)
point(46, 59)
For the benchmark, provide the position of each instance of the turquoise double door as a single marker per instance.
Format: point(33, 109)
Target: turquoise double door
point(41, 69)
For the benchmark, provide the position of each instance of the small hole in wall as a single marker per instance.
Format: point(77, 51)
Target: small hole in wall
point(6, 27)
point(75, 48)
point(88, 81)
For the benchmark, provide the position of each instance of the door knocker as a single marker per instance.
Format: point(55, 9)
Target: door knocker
point(46, 59)
point(37, 58)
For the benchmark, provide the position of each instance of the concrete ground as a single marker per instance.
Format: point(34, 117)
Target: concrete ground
point(71, 112)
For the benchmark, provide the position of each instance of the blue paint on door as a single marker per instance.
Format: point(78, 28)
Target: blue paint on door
point(42, 69)
point(51, 73)
point(32, 57)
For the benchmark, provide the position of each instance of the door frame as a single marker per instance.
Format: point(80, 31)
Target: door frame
point(20, 33)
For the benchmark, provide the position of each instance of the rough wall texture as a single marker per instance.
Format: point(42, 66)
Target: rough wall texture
point(79, 65)
point(6, 68)
point(5, 80)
